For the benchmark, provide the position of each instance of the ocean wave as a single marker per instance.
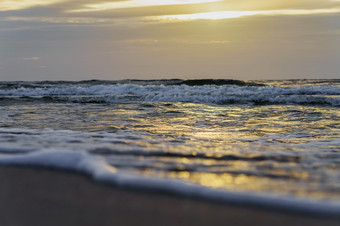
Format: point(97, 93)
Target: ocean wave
point(328, 95)
point(331, 101)
point(57, 153)
point(98, 170)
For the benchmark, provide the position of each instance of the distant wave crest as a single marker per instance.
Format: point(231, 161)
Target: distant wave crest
point(221, 92)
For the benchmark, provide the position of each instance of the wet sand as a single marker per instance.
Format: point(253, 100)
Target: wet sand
point(45, 197)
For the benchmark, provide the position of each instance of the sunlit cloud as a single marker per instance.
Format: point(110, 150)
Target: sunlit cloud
point(235, 14)
point(30, 58)
point(6, 5)
point(137, 3)
point(169, 38)
point(211, 15)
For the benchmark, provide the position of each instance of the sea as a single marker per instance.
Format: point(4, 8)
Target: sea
point(267, 143)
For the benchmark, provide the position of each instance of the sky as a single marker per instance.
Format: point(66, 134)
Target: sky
point(165, 39)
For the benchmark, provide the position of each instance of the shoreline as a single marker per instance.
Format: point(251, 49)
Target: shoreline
point(38, 196)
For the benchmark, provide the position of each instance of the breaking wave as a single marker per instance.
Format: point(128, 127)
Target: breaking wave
point(221, 92)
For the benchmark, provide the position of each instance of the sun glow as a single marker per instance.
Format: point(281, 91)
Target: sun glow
point(138, 3)
point(235, 14)
point(212, 15)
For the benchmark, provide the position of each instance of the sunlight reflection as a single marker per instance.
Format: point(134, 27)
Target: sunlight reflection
point(238, 148)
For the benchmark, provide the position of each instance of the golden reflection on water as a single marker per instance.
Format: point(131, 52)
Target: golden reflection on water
point(243, 183)
point(217, 129)
point(204, 134)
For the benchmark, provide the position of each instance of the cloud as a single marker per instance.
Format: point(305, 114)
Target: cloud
point(261, 39)
point(30, 58)
point(8, 5)
point(60, 20)
point(136, 4)
point(196, 6)
point(235, 14)
point(112, 11)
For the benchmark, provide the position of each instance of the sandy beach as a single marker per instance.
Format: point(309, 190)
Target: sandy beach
point(45, 197)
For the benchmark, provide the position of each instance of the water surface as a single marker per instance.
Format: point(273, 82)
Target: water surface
point(272, 138)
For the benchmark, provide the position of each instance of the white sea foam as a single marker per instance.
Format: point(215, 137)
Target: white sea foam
point(57, 150)
point(311, 94)
point(97, 168)
point(288, 154)
point(133, 89)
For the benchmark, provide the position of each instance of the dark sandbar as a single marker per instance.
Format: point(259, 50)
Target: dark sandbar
point(45, 197)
